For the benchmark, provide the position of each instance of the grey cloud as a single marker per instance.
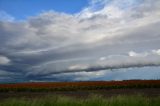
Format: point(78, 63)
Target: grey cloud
point(147, 59)
point(56, 43)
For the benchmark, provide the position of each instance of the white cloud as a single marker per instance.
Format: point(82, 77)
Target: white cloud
point(102, 58)
point(156, 51)
point(134, 54)
point(78, 66)
point(4, 60)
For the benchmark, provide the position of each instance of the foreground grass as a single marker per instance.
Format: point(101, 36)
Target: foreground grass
point(94, 100)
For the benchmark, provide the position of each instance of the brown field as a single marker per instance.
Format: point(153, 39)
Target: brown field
point(81, 85)
point(81, 89)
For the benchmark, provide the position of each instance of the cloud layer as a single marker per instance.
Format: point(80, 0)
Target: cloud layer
point(109, 34)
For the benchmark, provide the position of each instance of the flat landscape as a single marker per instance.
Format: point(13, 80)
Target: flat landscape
point(148, 92)
point(78, 86)
point(84, 93)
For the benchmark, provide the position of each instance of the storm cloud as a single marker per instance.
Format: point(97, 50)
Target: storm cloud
point(106, 35)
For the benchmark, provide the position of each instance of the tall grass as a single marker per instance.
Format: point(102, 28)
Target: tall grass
point(94, 100)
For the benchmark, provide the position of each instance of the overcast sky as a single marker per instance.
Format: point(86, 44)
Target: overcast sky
point(55, 40)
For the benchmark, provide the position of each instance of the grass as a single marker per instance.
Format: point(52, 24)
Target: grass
point(93, 100)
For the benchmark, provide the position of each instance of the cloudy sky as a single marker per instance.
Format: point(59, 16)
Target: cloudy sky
point(79, 40)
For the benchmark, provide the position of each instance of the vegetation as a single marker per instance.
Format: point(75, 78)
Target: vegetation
point(74, 86)
point(94, 100)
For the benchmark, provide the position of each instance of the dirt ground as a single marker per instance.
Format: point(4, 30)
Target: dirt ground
point(149, 92)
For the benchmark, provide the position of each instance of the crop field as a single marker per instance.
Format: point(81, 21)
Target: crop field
point(95, 93)
point(74, 86)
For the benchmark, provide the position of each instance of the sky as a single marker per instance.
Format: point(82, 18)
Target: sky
point(21, 9)
point(79, 40)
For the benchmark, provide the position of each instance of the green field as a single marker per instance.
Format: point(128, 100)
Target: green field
point(92, 100)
